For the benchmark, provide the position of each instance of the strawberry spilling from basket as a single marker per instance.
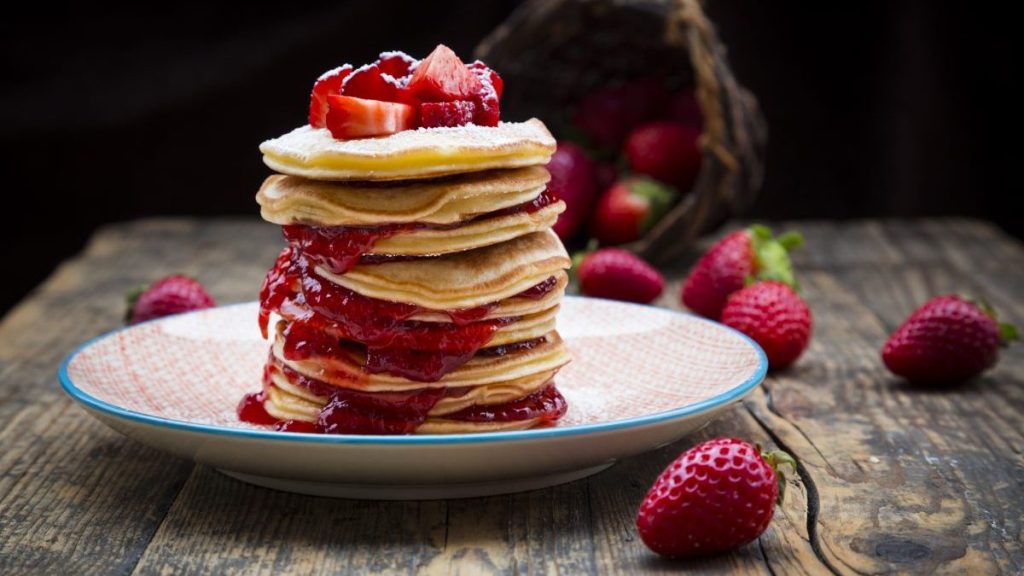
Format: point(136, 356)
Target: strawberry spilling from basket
point(397, 92)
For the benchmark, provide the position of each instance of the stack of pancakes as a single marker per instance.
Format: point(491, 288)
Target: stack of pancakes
point(419, 288)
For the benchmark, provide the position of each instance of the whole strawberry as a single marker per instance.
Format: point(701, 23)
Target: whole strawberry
point(171, 295)
point(948, 339)
point(716, 496)
point(734, 261)
point(619, 275)
point(573, 180)
point(666, 151)
point(629, 209)
point(773, 315)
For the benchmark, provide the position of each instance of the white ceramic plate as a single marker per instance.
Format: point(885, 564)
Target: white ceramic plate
point(641, 377)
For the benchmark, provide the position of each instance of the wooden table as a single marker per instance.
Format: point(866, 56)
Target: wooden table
point(892, 478)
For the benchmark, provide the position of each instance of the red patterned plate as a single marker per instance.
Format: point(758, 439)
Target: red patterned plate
point(641, 377)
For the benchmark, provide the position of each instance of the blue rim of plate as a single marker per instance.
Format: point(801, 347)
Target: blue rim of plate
point(723, 399)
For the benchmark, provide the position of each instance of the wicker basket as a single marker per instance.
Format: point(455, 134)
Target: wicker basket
point(553, 52)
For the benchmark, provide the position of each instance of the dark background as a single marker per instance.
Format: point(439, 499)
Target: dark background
point(875, 108)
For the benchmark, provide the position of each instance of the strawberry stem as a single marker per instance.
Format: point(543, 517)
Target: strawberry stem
point(1007, 333)
point(132, 297)
point(775, 459)
point(772, 255)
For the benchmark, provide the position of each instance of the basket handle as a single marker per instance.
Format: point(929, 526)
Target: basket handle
point(687, 24)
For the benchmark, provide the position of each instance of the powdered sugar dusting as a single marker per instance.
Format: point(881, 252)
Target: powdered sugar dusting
point(307, 143)
point(330, 73)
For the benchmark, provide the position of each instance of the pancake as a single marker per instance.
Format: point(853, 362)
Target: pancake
point(409, 155)
point(284, 406)
point(346, 371)
point(288, 200)
point(514, 306)
point(476, 234)
point(528, 327)
point(288, 401)
point(460, 280)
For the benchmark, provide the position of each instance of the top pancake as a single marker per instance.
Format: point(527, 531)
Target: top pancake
point(288, 200)
point(411, 154)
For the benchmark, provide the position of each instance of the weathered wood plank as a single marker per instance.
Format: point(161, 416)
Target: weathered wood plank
point(73, 494)
point(892, 478)
point(908, 479)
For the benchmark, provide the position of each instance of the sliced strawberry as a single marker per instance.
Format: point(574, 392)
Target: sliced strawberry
point(442, 77)
point(457, 113)
point(395, 64)
point(488, 111)
point(485, 74)
point(351, 117)
point(371, 83)
point(329, 83)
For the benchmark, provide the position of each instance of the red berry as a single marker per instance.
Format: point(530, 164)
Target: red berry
point(666, 151)
point(721, 271)
point(350, 117)
point(685, 109)
point(715, 497)
point(488, 109)
point(327, 84)
point(619, 275)
point(486, 75)
point(456, 113)
point(572, 180)
point(946, 340)
point(442, 77)
point(629, 209)
point(607, 115)
point(740, 257)
point(773, 315)
point(395, 64)
point(171, 295)
point(370, 83)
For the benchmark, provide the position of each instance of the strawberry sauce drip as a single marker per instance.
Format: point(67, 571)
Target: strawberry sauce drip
point(540, 290)
point(323, 313)
point(350, 411)
point(251, 410)
point(340, 248)
point(548, 404)
point(506, 349)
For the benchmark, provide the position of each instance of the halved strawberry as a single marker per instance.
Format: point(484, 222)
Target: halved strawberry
point(457, 113)
point(442, 77)
point(350, 117)
point(327, 84)
point(371, 83)
point(395, 64)
point(485, 74)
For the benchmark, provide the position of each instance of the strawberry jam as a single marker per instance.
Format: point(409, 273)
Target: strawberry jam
point(251, 410)
point(339, 248)
point(354, 412)
point(506, 349)
point(547, 404)
point(322, 313)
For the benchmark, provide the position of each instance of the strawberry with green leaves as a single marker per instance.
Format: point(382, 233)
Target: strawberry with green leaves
point(949, 339)
point(715, 497)
point(630, 208)
point(743, 257)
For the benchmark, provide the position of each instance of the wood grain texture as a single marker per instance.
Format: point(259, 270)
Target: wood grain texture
point(892, 478)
